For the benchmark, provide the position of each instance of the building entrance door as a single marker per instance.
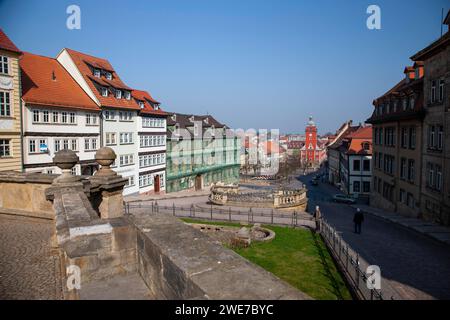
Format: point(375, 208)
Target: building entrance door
point(198, 182)
point(157, 183)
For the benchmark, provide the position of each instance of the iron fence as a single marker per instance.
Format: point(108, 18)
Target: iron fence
point(213, 213)
point(351, 263)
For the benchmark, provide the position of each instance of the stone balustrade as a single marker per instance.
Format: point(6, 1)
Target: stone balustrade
point(288, 198)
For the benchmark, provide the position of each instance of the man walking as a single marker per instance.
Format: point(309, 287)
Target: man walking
point(358, 220)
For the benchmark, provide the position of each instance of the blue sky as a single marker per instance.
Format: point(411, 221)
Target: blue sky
point(251, 63)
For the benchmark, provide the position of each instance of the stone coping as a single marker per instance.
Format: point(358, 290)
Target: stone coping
point(181, 262)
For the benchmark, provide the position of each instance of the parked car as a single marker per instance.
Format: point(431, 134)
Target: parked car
point(342, 198)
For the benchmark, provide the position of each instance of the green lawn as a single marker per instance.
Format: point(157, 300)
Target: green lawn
point(299, 257)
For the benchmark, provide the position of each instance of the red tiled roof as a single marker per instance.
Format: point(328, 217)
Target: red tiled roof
point(364, 132)
point(357, 140)
point(146, 97)
point(82, 61)
point(46, 82)
point(7, 44)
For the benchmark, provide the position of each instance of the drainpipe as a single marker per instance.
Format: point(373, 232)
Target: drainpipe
point(22, 162)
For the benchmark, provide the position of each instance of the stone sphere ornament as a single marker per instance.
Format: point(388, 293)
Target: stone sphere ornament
point(105, 157)
point(65, 160)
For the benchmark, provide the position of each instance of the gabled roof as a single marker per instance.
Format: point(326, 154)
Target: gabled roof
point(46, 82)
point(145, 97)
point(84, 62)
point(355, 141)
point(7, 44)
point(184, 120)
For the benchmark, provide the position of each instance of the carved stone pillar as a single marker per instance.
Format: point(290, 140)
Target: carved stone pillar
point(110, 185)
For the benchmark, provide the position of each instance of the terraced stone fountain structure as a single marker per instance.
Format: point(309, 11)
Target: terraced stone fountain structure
point(277, 198)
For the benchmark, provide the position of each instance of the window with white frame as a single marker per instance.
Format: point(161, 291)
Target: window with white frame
point(109, 75)
point(438, 178)
point(72, 118)
point(65, 144)
point(104, 91)
point(91, 119)
point(127, 95)
point(110, 115)
point(57, 144)
point(441, 90)
point(440, 137)
point(4, 65)
point(118, 94)
point(55, 116)
point(125, 116)
point(433, 91)
point(110, 138)
point(126, 137)
point(145, 180)
point(45, 116)
point(130, 182)
point(37, 145)
point(141, 105)
point(5, 104)
point(5, 147)
point(152, 141)
point(74, 145)
point(126, 160)
point(97, 73)
point(36, 116)
point(64, 117)
point(149, 160)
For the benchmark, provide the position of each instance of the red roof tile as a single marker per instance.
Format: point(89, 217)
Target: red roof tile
point(82, 61)
point(46, 82)
point(7, 44)
point(145, 97)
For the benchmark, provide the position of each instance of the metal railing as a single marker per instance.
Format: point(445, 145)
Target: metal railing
point(350, 262)
point(214, 213)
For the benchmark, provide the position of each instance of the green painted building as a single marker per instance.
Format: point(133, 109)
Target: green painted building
point(200, 151)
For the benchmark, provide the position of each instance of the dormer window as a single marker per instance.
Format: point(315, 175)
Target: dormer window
point(104, 92)
point(109, 75)
point(127, 95)
point(118, 94)
point(206, 120)
point(174, 117)
point(141, 105)
point(366, 146)
point(405, 104)
point(97, 73)
point(156, 106)
point(191, 119)
point(395, 105)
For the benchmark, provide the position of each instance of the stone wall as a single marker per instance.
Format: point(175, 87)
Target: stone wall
point(179, 262)
point(24, 194)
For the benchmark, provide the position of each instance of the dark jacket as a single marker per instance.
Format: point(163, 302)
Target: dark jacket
point(358, 218)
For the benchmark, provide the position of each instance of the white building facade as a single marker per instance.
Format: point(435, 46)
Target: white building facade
point(56, 114)
point(152, 131)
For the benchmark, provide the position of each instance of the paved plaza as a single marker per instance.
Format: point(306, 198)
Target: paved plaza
point(29, 268)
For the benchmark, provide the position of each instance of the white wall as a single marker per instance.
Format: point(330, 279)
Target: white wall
point(160, 149)
point(120, 126)
point(62, 132)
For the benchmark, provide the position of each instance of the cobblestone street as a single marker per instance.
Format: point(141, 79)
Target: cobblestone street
point(28, 267)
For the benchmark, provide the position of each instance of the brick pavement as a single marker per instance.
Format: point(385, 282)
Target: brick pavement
point(29, 268)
